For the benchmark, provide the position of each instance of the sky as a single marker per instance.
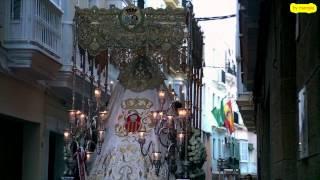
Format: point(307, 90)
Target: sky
point(217, 33)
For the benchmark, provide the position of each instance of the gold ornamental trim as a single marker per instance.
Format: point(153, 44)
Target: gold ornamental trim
point(130, 28)
point(137, 103)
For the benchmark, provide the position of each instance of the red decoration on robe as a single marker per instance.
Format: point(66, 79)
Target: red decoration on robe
point(133, 123)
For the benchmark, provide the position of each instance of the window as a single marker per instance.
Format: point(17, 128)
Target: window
point(222, 148)
point(223, 76)
point(213, 104)
point(214, 151)
point(15, 12)
point(244, 151)
point(219, 148)
point(111, 6)
point(236, 117)
point(303, 124)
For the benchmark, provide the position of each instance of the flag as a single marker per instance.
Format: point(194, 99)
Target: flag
point(216, 114)
point(229, 119)
point(222, 113)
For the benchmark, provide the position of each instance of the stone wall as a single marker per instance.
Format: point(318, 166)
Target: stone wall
point(39, 113)
point(284, 64)
point(308, 74)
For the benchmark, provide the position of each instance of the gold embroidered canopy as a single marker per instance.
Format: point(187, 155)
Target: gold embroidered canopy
point(158, 30)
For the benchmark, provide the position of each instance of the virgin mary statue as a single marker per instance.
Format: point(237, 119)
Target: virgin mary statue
point(130, 104)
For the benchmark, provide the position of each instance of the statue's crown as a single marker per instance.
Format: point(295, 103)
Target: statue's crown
point(136, 103)
point(131, 10)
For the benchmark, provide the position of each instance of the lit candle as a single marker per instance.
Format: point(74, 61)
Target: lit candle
point(78, 112)
point(103, 115)
point(154, 114)
point(170, 120)
point(182, 112)
point(66, 134)
point(72, 116)
point(161, 114)
point(101, 135)
point(180, 136)
point(82, 119)
point(162, 96)
point(88, 156)
point(156, 156)
point(97, 93)
point(141, 135)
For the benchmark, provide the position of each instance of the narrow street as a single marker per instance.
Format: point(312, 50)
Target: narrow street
point(159, 90)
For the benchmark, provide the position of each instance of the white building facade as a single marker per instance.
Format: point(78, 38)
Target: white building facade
point(238, 150)
point(36, 49)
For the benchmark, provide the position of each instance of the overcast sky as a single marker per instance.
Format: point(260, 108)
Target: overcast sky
point(218, 33)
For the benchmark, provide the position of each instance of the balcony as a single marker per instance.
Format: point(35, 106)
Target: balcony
point(229, 165)
point(33, 38)
point(249, 28)
point(248, 168)
point(246, 108)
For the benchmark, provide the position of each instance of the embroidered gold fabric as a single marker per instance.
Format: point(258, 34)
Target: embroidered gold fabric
point(136, 103)
point(99, 29)
point(141, 74)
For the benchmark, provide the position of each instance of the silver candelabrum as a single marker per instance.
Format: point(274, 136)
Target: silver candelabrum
point(171, 128)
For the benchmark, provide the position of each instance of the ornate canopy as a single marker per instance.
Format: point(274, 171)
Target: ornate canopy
point(161, 32)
